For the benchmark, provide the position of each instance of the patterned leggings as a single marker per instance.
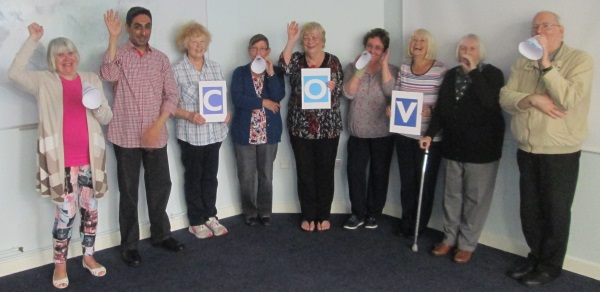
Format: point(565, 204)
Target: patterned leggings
point(78, 191)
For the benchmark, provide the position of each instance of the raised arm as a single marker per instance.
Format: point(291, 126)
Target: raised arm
point(114, 26)
point(293, 32)
point(110, 70)
point(17, 72)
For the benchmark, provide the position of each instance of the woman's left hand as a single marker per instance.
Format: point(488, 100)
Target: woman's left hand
point(331, 85)
point(426, 112)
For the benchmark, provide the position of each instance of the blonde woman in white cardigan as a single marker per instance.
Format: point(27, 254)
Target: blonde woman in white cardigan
point(71, 145)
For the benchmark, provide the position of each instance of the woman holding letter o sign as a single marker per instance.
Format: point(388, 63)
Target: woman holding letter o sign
point(314, 133)
point(71, 146)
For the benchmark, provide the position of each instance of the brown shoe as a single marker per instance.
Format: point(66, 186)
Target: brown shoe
point(440, 249)
point(462, 256)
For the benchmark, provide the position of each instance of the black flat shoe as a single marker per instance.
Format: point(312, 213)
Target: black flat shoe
point(537, 278)
point(250, 221)
point(171, 244)
point(266, 221)
point(519, 271)
point(131, 257)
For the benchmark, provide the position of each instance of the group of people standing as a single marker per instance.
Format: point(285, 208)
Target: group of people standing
point(461, 122)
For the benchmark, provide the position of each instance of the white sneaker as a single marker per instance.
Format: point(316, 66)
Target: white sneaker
point(201, 231)
point(216, 227)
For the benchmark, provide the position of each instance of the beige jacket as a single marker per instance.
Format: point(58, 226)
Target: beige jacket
point(47, 88)
point(569, 83)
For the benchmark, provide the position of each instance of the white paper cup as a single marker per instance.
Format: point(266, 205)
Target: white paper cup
point(259, 65)
point(92, 97)
point(364, 59)
point(531, 49)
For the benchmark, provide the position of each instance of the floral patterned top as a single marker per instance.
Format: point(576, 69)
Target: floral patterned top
point(313, 123)
point(258, 121)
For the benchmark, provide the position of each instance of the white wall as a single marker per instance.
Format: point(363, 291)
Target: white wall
point(232, 23)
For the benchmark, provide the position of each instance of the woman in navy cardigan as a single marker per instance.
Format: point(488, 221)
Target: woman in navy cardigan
point(257, 89)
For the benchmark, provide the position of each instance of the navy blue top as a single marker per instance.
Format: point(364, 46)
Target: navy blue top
point(245, 100)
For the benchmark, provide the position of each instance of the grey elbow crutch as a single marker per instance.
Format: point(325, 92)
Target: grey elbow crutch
point(415, 248)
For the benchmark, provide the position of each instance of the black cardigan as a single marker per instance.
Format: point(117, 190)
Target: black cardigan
point(473, 127)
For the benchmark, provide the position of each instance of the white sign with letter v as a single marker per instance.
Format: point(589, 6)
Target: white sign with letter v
point(406, 110)
point(213, 100)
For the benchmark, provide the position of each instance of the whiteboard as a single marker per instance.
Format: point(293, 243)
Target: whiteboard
point(83, 23)
point(502, 25)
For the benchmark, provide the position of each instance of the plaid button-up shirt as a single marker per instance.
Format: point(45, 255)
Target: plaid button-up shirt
point(187, 78)
point(144, 87)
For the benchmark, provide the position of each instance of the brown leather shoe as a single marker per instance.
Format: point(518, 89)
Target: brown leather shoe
point(440, 249)
point(462, 256)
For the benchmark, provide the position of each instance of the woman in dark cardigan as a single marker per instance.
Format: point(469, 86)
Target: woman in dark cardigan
point(469, 114)
point(256, 129)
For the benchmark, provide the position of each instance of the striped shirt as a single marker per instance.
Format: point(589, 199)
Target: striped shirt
point(144, 87)
point(187, 78)
point(428, 83)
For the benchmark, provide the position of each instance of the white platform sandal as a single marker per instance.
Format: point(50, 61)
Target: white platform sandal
point(61, 283)
point(97, 272)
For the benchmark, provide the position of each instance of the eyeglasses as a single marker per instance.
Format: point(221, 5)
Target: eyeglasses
point(254, 49)
point(543, 26)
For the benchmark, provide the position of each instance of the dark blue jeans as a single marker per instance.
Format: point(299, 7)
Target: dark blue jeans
point(157, 180)
point(201, 165)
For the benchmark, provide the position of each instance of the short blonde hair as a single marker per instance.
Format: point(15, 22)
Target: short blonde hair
point(191, 29)
point(310, 26)
point(431, 48)
point(476, 38)
point(57, 46)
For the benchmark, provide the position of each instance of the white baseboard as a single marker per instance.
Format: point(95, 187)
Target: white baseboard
point(32, 259)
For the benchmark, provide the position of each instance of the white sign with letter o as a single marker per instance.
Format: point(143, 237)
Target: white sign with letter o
point(315, 92)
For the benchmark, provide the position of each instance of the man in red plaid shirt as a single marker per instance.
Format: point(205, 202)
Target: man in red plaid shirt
point(145, 98)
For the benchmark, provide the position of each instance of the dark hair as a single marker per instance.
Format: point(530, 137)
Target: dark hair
point(135, 11)
point(380, 33)
point(257, 38)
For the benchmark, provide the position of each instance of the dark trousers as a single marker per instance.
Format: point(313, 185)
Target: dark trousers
point(368, 172)
point(201, 165)
point(547, 186)
point(315, 163)
point(410, 164)
point(157, 180)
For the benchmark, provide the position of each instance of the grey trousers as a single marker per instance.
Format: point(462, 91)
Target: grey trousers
point(255, 165)
point(468, 194)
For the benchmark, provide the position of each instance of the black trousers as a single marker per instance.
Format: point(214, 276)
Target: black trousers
point(368, 171)
point(201, 165)
point(547, 186)
point(157, 181)
point(315, 164)
point(410, 164)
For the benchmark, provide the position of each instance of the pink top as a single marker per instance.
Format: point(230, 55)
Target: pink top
point(75, 129)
